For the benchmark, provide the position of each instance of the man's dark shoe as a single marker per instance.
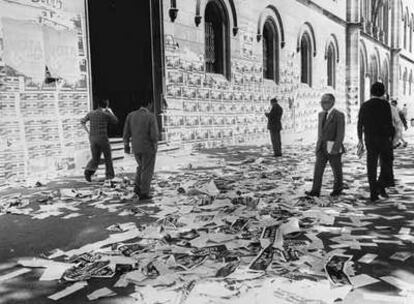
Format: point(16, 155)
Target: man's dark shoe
point(87, 175)
point(277, 155)
point(336, 193)
point(145, 197)
point(374, 198)
point(312, 193)
point(382, 192)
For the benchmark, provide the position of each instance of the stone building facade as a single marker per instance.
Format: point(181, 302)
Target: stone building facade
point(218, 65)
point(321, 46)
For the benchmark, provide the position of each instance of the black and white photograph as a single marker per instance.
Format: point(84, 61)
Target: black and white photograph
point(206, 151)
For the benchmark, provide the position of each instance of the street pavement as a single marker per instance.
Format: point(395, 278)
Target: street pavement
point(245, 182)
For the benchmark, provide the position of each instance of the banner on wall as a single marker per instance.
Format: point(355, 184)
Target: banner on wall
point(61, 49)
point(23, 48)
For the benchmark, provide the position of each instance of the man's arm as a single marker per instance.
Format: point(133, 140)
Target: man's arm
point(340, 134)
point(126, 135)
point(154, 131)
point(83, 122)
point(388, 121)
point(112, 118)
point(360, 123)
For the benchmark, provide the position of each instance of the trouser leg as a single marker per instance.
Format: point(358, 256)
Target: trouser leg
point(277, 146)
point(386, 155)
point(148, 163)
point(93, 164)
point(274, 140)
point(320, 164)
point(372, 163)
point(138, 158)
point(109, 167)
point(336, 164)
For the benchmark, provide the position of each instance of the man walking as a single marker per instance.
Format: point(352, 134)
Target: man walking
point(375, 123)
point(274, 125)
point(99, 120)
point(141, 128)
point(329, 147)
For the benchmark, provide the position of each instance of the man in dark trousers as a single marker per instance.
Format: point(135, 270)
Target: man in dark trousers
point(375, 123)
point(274, 125)
point(99, 120)
point(141, 127)
point(329, 147)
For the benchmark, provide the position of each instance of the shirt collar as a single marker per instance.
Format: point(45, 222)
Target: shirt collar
point(329, 112)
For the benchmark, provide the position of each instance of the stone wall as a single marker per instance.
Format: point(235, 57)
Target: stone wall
point(40, 134)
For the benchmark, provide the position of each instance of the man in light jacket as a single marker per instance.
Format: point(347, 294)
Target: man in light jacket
point(141, 127)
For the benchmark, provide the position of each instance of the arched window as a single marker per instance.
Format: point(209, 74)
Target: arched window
point(217, 40)
point(306, 59)
point(405, 33)
point(331, 66)
point(270, 51)
point(374, 69)
point(405, 82)
point(385, 74)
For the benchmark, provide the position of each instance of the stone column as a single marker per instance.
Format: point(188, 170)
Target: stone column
point(396, 41)
point(352, 59)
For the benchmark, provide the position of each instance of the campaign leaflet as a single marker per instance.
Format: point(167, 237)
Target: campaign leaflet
point(262, 260)
point(335, 270)
point(227, 269)
point(84, 272)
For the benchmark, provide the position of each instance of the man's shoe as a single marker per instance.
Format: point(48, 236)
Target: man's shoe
point(336, 193)
point(145, 197)
point(312, 193)
point(277, 155)
point(382, 192)
point(374, 198)
point(87, 175)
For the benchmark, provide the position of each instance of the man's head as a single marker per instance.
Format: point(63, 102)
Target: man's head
point(273, 101)
point(377, 89)
point(146, 102)
point(405, 105)
point(394, 103)
point(327, 101)
point(103, 102)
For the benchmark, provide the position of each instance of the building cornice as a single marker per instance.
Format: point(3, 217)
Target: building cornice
point(321, 10)
point(405, 57)
point(373, 40)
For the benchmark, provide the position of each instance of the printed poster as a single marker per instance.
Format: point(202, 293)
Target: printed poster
point(61, 55)
point(23, 48)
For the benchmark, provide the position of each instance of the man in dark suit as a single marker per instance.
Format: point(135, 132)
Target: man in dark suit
point(375, 123)
point(329, 147)
point(274, 125)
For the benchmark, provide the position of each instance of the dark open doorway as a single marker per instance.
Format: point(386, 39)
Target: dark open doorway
point(126, 54)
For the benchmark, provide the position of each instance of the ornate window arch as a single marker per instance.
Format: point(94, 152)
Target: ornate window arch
point(270, 50)
point(406, 26)
point(385, 73)
point(306, 45)
point(332, 57)
point(217, 38)
point(306, 59)
point(375, 67)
